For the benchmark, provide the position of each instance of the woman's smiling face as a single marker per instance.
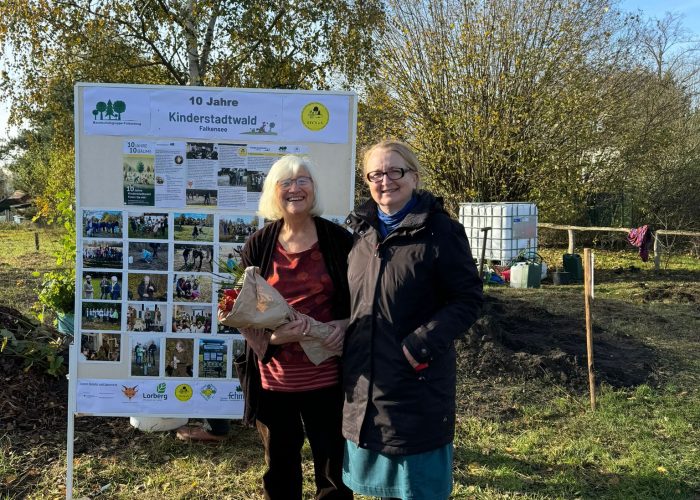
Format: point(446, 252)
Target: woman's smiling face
point(390, 194)
point(298, 197)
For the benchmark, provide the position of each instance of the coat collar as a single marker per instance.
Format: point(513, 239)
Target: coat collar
point(366, 214)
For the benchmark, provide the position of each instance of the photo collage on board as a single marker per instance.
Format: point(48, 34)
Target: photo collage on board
point(149, 284)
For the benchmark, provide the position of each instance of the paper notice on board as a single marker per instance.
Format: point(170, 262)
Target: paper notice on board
point(203, 174)
point(259, 160)
point(202, 165)
point(170, 174)
point(139, 173)
point(231, 176)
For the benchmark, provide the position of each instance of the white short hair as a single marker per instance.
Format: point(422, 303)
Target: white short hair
point(284, 168)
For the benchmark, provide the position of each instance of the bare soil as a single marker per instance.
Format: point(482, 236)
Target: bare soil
point(519, 339)
point(515, 343)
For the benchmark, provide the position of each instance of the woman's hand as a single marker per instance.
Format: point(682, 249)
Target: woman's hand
point(410, 358)
point(294, 331)
point(258, 339)
point(334, 342)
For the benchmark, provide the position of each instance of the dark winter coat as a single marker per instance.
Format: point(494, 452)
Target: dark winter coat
point(418, 288)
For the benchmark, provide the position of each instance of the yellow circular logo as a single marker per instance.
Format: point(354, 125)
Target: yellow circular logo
point(183, 392)
point(315, 116)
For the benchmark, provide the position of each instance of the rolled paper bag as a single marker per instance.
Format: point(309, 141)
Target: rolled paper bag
point(260, 305)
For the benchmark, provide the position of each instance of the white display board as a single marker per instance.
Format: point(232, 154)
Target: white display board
point(168, 181)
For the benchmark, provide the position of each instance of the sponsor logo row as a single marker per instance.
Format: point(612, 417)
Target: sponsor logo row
point(181, 392)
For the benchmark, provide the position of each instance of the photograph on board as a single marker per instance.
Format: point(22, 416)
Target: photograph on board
point(147, 317)
point(202, 151)
point(144, 354)
point(101, 316)
point(219, 287)
point(103, 254)
point(192, 288)
point(179, 357)
point(148, 226)
point(148, 256)
point(201, 197)
point(193, 227)
point(255, 180)
point(100, 347)
point(139, 180)
point(229, 257)
point(191, 319)
point(148, 287)
point(237, 347)
point(231, 177)
point(102, 285)
point(237, 228)
point(102, 224)
point(188, 257)
point(213, 357)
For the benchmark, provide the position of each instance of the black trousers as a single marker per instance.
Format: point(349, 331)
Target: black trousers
point(219, 426)
point(282, 420)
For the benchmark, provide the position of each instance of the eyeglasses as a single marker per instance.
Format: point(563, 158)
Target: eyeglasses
point(301, 182)
point(393, 174)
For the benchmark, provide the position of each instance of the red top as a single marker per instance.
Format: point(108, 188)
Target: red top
point(303, 280)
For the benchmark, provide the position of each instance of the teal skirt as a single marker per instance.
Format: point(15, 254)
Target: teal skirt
point(409, 477)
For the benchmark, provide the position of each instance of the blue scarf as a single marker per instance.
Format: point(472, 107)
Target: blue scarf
point(387, 223)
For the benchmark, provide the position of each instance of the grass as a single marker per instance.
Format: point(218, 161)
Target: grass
point(640, 443)
point(19, 257)
point(524, 438)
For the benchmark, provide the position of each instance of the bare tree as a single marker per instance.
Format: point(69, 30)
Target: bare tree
point(499, 97)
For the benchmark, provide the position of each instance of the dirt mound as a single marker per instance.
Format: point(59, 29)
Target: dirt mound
point(522, 339)
point(676, 293)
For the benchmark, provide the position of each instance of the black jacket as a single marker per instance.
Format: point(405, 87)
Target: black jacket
point(419, 288)
point(334, 243)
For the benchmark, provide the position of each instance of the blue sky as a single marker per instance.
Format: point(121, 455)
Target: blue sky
point(690, 9)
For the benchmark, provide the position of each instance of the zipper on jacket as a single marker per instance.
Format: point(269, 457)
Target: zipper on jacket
point(361, 435)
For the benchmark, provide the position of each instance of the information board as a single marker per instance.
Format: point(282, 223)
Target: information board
point(168, 181)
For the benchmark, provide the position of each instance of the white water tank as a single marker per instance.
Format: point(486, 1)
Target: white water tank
point(513, 229)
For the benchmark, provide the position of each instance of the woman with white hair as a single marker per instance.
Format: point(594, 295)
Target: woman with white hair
point(305, 258)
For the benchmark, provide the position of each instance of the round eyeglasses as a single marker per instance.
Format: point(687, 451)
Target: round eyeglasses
point(393, 174)
point(301, 182)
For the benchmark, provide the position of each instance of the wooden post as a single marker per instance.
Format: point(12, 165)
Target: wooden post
point(571, 241)
point(588, 296)
point(36, 240)
point(657, 252)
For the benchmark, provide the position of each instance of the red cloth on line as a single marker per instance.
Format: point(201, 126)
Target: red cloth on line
point(641, 238)
point(303, 280)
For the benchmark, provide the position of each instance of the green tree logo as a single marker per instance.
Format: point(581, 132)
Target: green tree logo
point(110, 110)
point(100, 107)
point(119, 108)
